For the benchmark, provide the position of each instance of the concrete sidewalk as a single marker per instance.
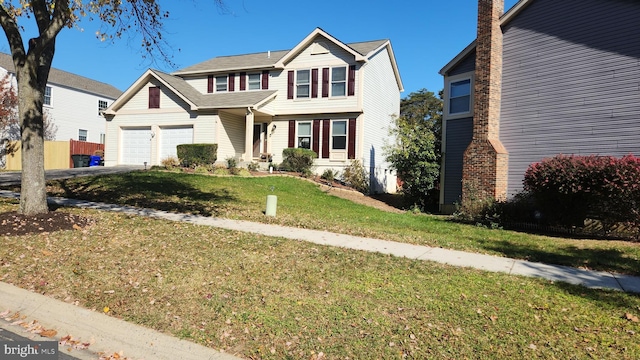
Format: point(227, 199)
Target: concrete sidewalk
point(587, 278)
point(108, 334)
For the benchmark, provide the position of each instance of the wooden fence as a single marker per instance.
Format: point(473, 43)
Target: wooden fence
point(57, 154)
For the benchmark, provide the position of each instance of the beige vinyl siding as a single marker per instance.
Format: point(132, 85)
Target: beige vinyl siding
point(231, 130)
point(140, 100)
point(305, 60)
point(381, 101)
point(279, 139)
point(199, 83)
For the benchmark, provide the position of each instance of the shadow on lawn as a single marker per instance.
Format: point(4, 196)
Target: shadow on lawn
point(152, 191)
point(597, 259)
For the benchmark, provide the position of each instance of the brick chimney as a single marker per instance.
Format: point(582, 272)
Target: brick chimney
point(485, 162)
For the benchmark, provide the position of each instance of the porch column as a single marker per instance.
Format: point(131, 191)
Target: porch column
point(248, 136)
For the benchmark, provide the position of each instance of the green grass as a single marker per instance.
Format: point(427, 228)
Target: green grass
point(303, 204)
point(273, 298)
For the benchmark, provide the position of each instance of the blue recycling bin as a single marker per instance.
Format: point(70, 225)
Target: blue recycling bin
point(95, 160)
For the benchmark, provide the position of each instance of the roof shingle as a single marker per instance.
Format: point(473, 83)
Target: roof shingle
point(63, 78)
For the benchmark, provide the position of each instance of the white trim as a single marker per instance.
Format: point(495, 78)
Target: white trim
point(447, 96)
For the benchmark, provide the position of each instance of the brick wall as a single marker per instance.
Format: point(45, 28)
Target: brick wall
point(485, 161)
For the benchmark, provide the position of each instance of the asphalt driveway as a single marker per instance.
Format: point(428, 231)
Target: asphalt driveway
point(14, 177)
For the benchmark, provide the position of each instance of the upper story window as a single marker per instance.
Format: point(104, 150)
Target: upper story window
point(460, 96)
point(154, 97)
point(221, 83)
point(82, 135)
point(339, 81)
point(102, 104)
point(339, 135)
point(302, 84)
point(254, 81)
point(304, 135)
point(47, 95)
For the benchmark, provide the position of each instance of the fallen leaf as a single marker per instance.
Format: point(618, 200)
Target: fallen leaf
point(48, 333)
point(631, 317)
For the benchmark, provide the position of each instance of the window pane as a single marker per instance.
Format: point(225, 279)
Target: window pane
point(339, 74)
point(338, 89)
point(254, 81)
point(339, 142)
point(459, 105)
point(221, 83)
point(303, 77)
point(304, 142)
point(304, 129)
point(303, 91)
point(339, 128)
point(460, 88)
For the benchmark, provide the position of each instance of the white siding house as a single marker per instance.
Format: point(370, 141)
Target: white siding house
point(73, 103)
point(334, 98)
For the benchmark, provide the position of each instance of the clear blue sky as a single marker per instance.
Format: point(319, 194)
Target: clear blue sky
point(425, 35)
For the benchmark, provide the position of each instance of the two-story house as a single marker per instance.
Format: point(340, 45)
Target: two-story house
point(546, 77)
point(334, 98)
point(73, 103)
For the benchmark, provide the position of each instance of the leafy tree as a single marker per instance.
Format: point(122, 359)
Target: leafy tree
point(32, 61)
point(416, 151)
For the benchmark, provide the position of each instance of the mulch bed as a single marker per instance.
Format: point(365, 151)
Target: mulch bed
point(13, 223)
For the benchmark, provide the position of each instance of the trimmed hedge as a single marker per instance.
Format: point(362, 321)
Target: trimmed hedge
point(192, 155)
point(298, 160)
point(569, 189)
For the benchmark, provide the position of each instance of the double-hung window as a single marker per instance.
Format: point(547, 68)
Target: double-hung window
point(254, 82)
point(304, 135)
point(302, 84)
point(102, 104)
point(339, 135)
point(460, 97)
point(221, 83)
point(338, 81)
point(47, 95)
point(82, 135)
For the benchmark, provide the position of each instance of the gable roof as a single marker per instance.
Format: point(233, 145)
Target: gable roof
point(195, 100)
point(504, 19)
point(277, 59)
point(70, 80)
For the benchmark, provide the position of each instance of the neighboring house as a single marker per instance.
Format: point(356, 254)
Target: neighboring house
point(547, 77)
point(73, 103)
point(334, 98)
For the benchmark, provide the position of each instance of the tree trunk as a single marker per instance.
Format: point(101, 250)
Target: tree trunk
point(33, 195)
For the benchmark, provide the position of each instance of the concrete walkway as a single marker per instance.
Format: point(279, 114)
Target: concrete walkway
point(110, 334)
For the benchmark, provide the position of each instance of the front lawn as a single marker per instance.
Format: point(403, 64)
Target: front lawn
point(273, 298)
point(303, 204)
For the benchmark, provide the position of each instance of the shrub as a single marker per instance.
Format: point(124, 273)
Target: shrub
point(253, 166)
point(329, 175)
point(170, 162)
point(298, 160)
point(232, 162)
point(570, 189)
point(192, 155)
point(356, 176)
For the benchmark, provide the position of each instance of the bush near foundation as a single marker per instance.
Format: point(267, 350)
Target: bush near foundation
point(569, 189)
point(298, 160)
point(193, 155)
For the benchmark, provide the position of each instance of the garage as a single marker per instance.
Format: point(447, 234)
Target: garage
point(136, 146)
point(171, 137)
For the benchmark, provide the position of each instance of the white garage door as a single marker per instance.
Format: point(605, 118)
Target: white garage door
point(136, 146)
point(172, 137)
